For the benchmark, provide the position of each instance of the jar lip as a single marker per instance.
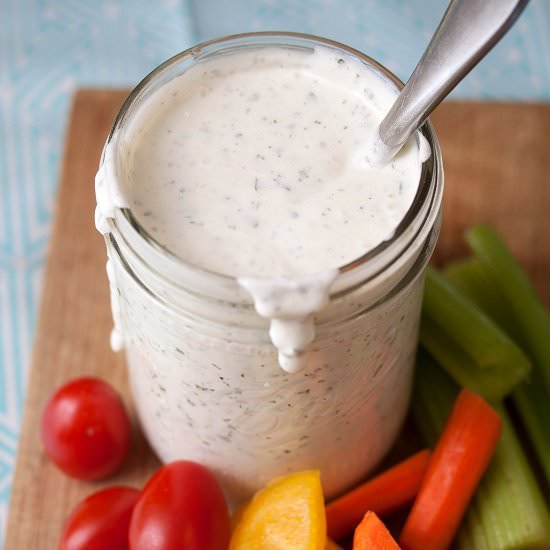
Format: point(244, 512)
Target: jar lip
point(428, 177)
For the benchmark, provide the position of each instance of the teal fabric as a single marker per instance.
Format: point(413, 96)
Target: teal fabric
point(49, 47)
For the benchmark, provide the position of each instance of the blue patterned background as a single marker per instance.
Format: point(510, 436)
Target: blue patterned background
point(49, 47)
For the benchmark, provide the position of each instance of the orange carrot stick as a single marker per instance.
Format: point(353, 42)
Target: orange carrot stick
point(382, 494)
point(460, 458)
point(371, 534)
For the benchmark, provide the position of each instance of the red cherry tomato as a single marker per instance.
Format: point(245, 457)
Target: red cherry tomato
point(181, 507)
point(85, 429)
point(101, 521)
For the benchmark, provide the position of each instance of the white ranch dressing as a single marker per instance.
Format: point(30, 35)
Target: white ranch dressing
point(290, 304)
point(254, 165)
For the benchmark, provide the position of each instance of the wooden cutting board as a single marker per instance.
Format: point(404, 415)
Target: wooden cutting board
point(497, 166)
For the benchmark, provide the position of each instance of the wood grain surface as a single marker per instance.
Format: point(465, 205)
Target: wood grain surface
point(497, 162)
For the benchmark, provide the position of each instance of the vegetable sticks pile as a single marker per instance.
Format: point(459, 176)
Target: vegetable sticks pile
point(485, 346)
point(484, 325)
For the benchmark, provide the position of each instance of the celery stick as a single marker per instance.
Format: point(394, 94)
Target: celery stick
point(508, 511)
point(530, 398)
point(471, 278)
point(533, 405)
point(472, 330)
point(433, 396)
point(532, 318)
point(490, 382)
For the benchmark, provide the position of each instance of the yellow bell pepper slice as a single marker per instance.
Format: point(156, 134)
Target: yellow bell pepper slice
point(288, 514)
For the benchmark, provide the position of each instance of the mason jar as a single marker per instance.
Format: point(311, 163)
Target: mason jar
point(204, 374)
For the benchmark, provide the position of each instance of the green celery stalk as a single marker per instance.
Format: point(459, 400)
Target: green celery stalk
point(471, 278)
point(531, 316)
point(533, 405)
point(473, 332)
point(433, 396)
point(508, 511)
point(531, 397)
point(488, 382)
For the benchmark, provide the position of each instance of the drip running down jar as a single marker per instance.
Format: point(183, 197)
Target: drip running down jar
point(266, 281)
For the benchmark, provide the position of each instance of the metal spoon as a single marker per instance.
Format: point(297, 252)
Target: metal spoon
point(468, 31)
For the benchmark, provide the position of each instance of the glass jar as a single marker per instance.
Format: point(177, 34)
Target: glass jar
point(204, 374)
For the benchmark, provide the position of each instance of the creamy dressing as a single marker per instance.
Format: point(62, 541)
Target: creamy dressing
point(303, 201)
point(255, 165)
point(290, 304)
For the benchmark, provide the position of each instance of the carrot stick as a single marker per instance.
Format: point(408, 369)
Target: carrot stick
point(458, 462)
point(382, 494)
point(372, 534)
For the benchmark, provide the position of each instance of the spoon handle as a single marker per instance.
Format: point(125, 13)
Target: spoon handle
point(468, 31)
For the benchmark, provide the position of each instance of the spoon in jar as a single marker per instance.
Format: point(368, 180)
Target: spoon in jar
point(468, 31)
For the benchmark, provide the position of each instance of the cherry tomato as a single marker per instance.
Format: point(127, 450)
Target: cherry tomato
point(85, 429)
point(181, 507)
point(101, 521)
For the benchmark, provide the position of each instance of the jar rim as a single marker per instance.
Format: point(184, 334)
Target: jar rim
point(423, 208)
